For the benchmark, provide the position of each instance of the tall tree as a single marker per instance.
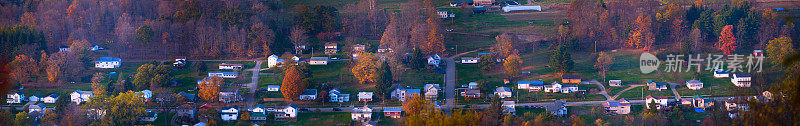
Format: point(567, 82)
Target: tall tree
point(298, 36)
point(384, 82)
point(505, 45)
point(208, 89)
point(747, 30)
point(435, 39)
point(417, 59)
point(642, 34)
point(367, 68)
point(778, 50)
point(99, 84)
point(293, 84)
point(727, 42)
point(561, 60)
point(512, 65)
point(22, 69)
point(124, 108)
point(486, 62)
point(144, 34)
point(21, 119)
point(603, 63)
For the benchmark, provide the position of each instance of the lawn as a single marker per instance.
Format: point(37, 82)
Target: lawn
point(317, 119)
point(163, 120)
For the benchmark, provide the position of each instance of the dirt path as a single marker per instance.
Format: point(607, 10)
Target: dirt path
point(602, 89)
point(626, 89)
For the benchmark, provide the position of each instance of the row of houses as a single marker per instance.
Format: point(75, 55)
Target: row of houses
point(335, 95)
point(15, 97)
point(275, 61)
point(554, 87)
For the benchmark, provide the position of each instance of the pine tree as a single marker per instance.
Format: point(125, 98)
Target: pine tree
point(384, 82)
point(561, 60)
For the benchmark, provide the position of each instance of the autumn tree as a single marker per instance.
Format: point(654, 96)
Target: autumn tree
point(642, 34)
point(603, 63)
point(21, 119)
point(435, 38)
point(366, 70)
point(505, 45)
point(298, 36)
point(144, 34)
point(414, 105)
point(23, 69)
point(778, 50)
point(561, 60)
point(293, 84)
point(152, 76)
point(99, 84)
point(727, 42)
point(124, 108)
point(486, 62)
point(494, 113)
point(384, 82)
point(208, 89)
point(512, 65)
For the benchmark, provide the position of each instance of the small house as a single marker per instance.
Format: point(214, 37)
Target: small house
point(432, 91)
point(229, 113)
point(52, 98)
point(483, 2)
point(614, 83)
point(530, 85)
point(79, 96)
point(37, 108)
point(336, 96)
point(331, 48)
point(14, 97)
point(365, 96)
point(700, 102)
point(362, 113)
point(574, 79)
point(318, 61)
point(149, 116)
point(621, 106)
point(64, 48)
point(443, 13)
point(557, 108)
point(359, 48)
point(186, 110)
point(503, 92)
point(434, 60)
point(469, 60)
point(552, 88)
point(721, 74)
point(35, 98)
point(145, 94)
point(694, 84)
point(287, 113)
point(398, 93)
point(107, 62)
point(661, 102)
point(179, 63)
point(758, 53)
point(509, 108)
point(309, 94)
point(412, 92)
point(569, 88)
point(652, 85)
point(273, 61)
point(471, 93)
point(228, 66)
point(229, 95)
point(273, 87)
point(741, 79)
point(188, 97)
point(393, 112)
point(258, 113)
point(225, 75)
point(686, 102)
point(384, 49)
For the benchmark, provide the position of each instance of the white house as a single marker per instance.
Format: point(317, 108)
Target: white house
point(229, 95)
point(79, 96)
point(502, 92)
point(521, 8)
point(558, 108)
point(145, 94)
point(258, 108)
point(362, 113)
point(614, 83)
point(398, 93)
point(434, 60)
point(661, 102)
point(14, 97)
point(287, 113)
point(569, 88)
point(336, 96)
point(365, 96)
point(273, 61)
point(50, 98)
point(741, 79)
point(37, 108)
point(179, 63)
point(553, 87)
point(442, 13)
point(35, 98)
point(469, 60)
point(258, 113)
point(149, 116)
point(309, 94)
point(273, 87)
point(384, 49)
point(700, 102)
point(229, 113)
point(318, 61)
point(432, 91)
point(227, 66)
point(331, 48)
point(694, 84)
point(225, 75)
point(721, 74)
point(107, 62)
point(621, 106)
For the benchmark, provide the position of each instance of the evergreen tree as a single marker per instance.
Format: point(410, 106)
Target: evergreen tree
point(561, 60)
point(747, 30)
point(417, 59)
point(384, 81)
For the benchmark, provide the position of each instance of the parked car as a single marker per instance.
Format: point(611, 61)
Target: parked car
point(337, 109)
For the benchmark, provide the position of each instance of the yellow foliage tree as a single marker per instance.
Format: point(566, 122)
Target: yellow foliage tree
point(642, 36)
point(208, 89)
point(512, 65)
point(366, 70)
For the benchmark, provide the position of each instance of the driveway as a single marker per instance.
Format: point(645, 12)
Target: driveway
point(672, 87)
point(626, 89)
point(602, 89)
point(450, 84)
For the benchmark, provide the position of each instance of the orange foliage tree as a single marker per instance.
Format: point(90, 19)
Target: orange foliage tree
point(435, 43)
point(366, 70)
point(642, 35)
point(727, 42)
point(209, 88)
point(22, 69)
point(293, 83)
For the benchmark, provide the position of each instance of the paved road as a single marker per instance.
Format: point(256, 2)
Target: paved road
point(253, 85)
point(602, 89)
point(672, 87)
point(626, 89)
point(450, 84)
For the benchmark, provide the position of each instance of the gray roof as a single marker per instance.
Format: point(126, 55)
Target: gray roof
point(393, 109)
point(310, 92)
point(319, 58)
